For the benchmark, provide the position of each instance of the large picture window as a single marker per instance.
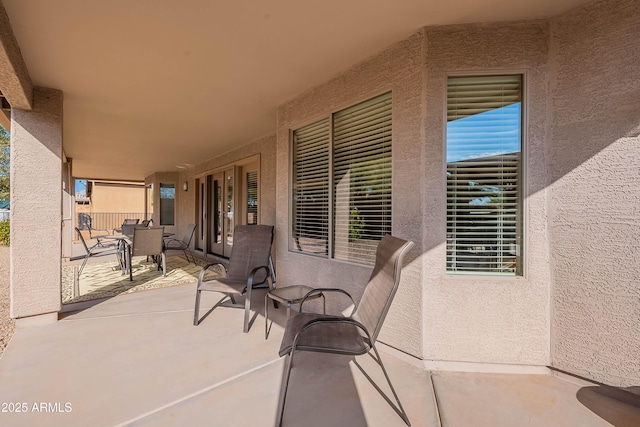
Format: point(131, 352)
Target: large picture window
point(341, 203)
point(484, 203)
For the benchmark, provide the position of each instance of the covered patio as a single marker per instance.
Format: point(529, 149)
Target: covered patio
point(138, 360)
point(500, 137)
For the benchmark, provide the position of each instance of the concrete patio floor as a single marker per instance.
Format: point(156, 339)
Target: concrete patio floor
point(136, 359)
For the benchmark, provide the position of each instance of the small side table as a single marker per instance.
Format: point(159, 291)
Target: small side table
point(288, 295)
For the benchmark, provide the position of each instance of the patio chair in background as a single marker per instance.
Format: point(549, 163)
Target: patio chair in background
point(248, 269)
point(94, 251)
point(148, 242)
point(146, 222)
point(183, 245)
point(85, 222)
point(127, 229)
point(355, 335)
point(127, 221)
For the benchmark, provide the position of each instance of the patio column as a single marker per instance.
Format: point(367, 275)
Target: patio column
point(36, 209)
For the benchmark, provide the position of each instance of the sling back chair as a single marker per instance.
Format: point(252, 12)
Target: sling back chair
point(93, 251)
point(127, 221)
point(250, 267)
point(184, 245)
point(85, 222)
point(354, 335)
point(148, 241)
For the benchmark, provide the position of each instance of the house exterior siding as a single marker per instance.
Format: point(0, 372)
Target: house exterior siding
point(581, 127)
point(399, 70)
point(594, 192)
point(36, 205)
point(473, 318)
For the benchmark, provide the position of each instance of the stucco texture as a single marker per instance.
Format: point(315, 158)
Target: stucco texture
point(36, 205)
point(487, 319)
point(594, 205)
point(398, 69)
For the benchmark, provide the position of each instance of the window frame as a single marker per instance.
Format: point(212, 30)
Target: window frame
point(160, 198)
point(330, 255)
point(522, 179)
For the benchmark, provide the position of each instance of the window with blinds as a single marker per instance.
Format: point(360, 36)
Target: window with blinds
point(342, 182)
point(167, 203)
point(362, 179)
point(251, 179)
point(484, 203)
point(310, 220)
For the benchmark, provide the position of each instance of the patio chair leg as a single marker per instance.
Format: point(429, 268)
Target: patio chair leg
point(247, 310)
point(285, 389)
point(84, 262)
point(399, 410)
point(164, 265)
point(197, 309)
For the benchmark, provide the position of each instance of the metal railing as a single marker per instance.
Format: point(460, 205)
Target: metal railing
point(106, 220)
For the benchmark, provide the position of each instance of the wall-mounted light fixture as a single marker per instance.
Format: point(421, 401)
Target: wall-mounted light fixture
point(185, 186)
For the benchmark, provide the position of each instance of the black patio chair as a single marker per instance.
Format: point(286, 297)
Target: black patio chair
point(249, 268)
point(354, 335)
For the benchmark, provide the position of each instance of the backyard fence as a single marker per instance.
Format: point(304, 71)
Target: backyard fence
point(106, 220)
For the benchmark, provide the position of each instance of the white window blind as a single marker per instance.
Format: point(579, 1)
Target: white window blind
point(362, 178)
point(342, 182)
point(311, 188)
point(252, 197)
point(484, 204)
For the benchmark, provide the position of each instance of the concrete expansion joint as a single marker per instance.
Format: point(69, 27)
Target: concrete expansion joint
point(435, 400)
point(198, 393)
point(148, 313)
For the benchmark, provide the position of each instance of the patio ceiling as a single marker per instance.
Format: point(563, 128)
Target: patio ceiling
point(158, 84)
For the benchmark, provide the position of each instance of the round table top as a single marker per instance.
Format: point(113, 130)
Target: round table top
point(293, 293)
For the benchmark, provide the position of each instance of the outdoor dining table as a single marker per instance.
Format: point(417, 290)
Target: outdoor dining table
point(125, 242)
point(124, 251)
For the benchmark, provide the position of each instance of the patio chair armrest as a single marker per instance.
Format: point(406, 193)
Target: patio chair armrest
point(253, 273)
point(169, 240)
point(206, 267)
point(327, 290)
point(91, 230)
point(330, 319)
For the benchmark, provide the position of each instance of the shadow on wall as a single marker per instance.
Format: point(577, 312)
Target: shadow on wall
point(618, 406)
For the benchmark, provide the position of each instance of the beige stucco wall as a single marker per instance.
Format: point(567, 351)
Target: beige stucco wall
point(36, 205)
point(578, 305)
point(487, 318)
point(594, 216)
point(110, 197)
point(438, 316)
point(399, 69)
